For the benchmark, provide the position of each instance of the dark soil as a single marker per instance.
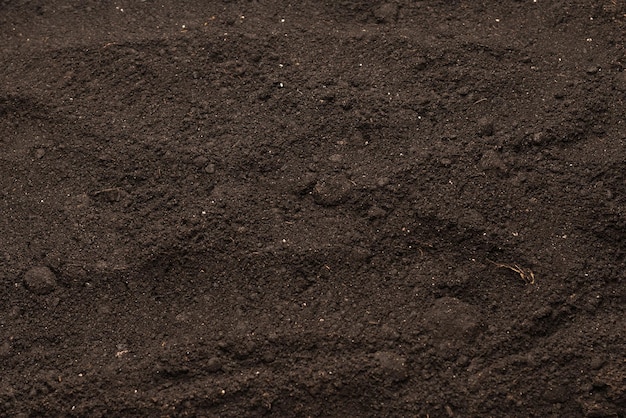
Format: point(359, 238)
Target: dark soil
point(341, 208)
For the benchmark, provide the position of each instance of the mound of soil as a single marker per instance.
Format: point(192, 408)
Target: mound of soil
point(340, 208)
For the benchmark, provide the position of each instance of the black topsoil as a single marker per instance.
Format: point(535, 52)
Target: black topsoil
point(316, 208)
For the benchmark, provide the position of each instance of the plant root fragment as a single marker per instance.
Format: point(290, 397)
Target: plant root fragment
point(526, 274)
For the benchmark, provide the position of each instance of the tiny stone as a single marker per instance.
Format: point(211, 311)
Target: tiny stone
point(335, 158)
point(39, 153)
point(40, 280)
point(210, 168)
point(592, 70)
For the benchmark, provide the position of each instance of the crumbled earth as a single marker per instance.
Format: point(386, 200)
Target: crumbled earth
point(340, 208)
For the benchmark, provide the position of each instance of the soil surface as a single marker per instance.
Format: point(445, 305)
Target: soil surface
point(340, 208)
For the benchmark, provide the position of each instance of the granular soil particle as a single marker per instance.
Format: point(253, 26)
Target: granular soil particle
point(262, 208)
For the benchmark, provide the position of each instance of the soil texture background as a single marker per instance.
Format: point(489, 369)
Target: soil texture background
point(336, 208)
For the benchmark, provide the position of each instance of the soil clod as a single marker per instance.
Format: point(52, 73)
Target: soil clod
point(40, 280)
point(332, 191)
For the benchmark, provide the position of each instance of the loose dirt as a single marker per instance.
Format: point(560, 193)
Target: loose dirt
point(340, 208)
